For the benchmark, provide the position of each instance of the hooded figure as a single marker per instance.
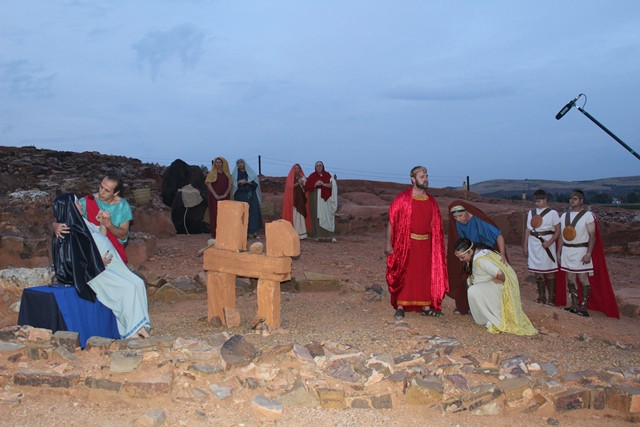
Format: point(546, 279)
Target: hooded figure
point(76, 259)
point(246, 188)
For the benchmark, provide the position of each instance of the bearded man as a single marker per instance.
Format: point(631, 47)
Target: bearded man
point(107, 209)
point(416, 268)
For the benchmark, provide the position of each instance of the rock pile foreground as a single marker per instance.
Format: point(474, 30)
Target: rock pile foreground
point(436, 374)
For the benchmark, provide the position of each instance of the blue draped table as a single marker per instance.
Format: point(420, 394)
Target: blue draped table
point(59, 308)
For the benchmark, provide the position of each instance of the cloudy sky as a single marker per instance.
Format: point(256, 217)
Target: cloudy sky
point(370, 87)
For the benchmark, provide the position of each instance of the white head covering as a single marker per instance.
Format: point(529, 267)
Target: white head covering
point(253, 176)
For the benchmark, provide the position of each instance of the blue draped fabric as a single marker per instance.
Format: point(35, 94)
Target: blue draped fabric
point(59, 308)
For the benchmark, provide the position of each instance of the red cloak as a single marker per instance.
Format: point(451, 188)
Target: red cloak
point(602, 297)
point(289, 198)
point(400, 220)
point(325, 192)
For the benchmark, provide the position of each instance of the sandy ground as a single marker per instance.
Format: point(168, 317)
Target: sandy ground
point(346, 316)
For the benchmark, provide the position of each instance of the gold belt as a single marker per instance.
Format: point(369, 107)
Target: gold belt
point(420, 236)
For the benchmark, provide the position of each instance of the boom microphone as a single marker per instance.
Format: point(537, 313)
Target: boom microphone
point(566, 108)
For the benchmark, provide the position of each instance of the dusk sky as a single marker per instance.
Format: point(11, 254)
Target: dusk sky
point(371, 87)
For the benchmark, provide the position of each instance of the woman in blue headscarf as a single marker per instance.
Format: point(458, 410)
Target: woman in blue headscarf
point(246, 188)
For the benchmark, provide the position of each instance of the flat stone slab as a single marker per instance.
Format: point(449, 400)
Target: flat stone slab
point(35, 378)
point(317, 282)
point(628, 301)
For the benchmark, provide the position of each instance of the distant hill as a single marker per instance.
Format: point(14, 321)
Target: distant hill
point(509, 188)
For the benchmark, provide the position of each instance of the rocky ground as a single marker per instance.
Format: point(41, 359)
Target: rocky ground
point(351, 317)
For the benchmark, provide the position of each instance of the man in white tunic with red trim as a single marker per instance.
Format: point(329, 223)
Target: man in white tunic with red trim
point(539, 246)
point(575, 248)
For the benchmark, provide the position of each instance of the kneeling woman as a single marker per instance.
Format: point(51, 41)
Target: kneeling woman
point(83, 255)
point(493, 292)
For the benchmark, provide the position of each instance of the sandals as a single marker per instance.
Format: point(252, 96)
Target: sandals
point(431, 313)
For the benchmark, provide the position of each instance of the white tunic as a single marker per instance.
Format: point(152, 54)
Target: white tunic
point(299, 224)
point(572, 257)
point(485, 296)
point(538, 260)
point(327, 209)
point(119, 288)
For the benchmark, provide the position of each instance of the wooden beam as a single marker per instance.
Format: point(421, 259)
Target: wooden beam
point(247, 264)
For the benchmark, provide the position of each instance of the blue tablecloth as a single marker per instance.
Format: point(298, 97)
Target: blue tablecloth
point(61, 309)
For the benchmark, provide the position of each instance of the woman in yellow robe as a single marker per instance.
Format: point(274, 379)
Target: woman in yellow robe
point(494, 293)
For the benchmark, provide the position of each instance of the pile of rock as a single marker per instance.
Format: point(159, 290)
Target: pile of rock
point(437, 374)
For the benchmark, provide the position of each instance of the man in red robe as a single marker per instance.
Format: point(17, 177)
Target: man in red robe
point(416, 266)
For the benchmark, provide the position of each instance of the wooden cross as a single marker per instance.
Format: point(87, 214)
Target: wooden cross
point(229, 258)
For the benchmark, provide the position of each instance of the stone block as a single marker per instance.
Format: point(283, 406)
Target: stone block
point(64, 354)
point(302, 353)
point(67, 339)
point(35, 378)
point(424, 391)
point(152, 418)
point(12, 351)
point(39, 351)
point(298, 396)
point(102, 384)
point(39, 334)
point(514, 388)
point(268, 408)
point(458, 381)
point(342, 370)
point(237, 351)
point(221, 391)
point(99, 345)
point(624, 399)
point(282, 239)
point(383, 401)
point(359, 403)
point(206, 369)
point(492, 408)
point(481, 396)
point(125, 361)
point(598, 398)
point(331, 398)
point(159, 384)
point(572, 399)
point(232, 225)
point(316, 282)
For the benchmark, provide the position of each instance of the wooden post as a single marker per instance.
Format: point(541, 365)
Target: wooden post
point(229, 258)
point(268, 303)
point(221, 292)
